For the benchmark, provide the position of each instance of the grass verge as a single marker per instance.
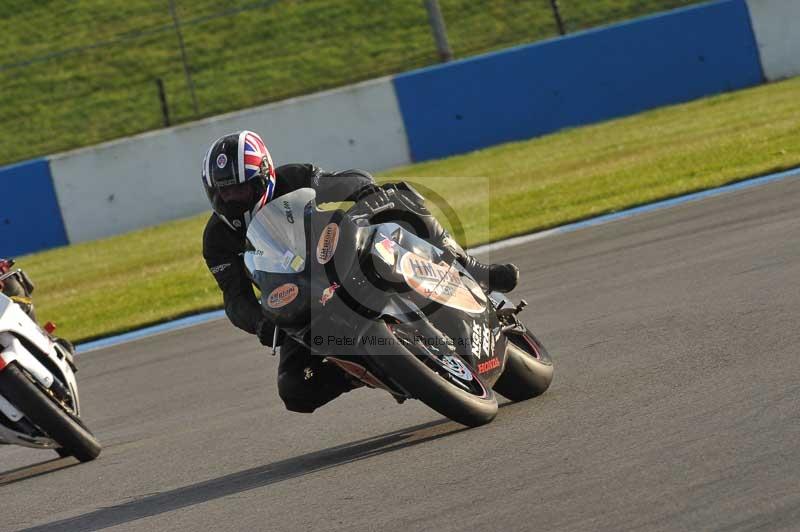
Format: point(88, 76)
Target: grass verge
point(125, 282)
point(94, 78)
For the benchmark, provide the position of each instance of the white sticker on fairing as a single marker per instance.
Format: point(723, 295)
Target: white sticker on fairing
point(482, 340)
point(287, 258)
point(438, 282)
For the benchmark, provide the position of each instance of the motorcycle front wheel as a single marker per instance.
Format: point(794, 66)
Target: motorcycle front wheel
point(447, 385)
point(75, 440)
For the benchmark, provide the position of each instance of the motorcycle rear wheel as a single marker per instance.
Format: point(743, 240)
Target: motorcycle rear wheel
point(529, 368)
point(425, 384)
point(75, 440)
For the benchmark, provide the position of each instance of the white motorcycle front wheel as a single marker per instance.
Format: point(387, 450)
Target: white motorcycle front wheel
point(74, 438)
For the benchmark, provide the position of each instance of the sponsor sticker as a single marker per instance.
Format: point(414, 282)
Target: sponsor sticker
point(385, 249)
point(327, 294)
point(437, 282)
point(287, 210)
point(482, 340)
point(492, 363)
point(283, 295)
point(297, 263)
point(222, 160)
point(287, 258)
point(328, 240)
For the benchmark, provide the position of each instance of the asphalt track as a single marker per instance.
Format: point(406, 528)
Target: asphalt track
point(675, 407)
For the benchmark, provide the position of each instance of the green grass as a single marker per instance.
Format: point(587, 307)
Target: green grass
point(151, 275)
point(240, 53)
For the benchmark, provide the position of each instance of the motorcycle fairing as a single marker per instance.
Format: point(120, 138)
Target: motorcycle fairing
point(20, 337)
point(418, 280)
point(421, 267)
point(477, 336)
point(22, 341)
point(14, 320)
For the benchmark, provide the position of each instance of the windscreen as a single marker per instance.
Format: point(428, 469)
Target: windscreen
point(277, 234)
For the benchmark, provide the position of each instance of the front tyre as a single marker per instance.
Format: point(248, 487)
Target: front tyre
point(472, 406)
point(74, 439)
point(529, 368)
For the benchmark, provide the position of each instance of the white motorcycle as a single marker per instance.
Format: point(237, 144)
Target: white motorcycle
point(39, 404)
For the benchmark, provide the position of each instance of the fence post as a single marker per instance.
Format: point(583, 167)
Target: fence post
point(186, 70)
point(557, 15)
point(162, 96)
point(439, 31)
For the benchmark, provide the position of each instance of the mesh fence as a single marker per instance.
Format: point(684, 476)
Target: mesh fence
point(77, 73)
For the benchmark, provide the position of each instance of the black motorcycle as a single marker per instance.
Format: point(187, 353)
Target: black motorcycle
point(391, 309)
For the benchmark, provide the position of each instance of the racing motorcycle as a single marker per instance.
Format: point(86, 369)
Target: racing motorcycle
point(390, 309)
point(39, 405)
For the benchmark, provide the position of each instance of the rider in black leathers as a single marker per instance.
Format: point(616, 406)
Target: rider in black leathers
point(239, 178)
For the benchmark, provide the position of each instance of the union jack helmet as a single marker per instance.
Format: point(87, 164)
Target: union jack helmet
point(238, 177)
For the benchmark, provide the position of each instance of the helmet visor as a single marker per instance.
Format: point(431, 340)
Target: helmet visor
point(234, 200)
point(242, 193)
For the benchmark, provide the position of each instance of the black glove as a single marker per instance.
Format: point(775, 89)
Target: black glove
point(373, 199)
point(265, 330)
point(402, 195)
point(370, 192)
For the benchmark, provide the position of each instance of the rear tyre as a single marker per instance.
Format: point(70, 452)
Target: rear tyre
point(423, 383)
point(74, 439)
point(529, 368)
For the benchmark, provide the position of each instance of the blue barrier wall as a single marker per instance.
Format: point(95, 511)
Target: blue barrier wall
point(30, 219)
point(588, 77)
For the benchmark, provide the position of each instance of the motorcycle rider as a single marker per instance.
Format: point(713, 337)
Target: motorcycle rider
point(239, 178)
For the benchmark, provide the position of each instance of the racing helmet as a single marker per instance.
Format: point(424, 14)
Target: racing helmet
point(238, 177)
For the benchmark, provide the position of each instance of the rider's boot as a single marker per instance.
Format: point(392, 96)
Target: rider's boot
point(490, 277)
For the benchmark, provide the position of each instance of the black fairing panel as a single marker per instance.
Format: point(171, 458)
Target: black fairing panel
point(343, 270)
point(340, 294)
